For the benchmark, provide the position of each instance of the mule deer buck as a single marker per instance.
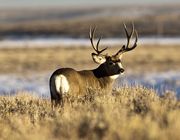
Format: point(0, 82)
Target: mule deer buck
point(69, 81)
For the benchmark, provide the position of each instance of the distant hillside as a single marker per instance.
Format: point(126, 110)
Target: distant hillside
point(149, 21)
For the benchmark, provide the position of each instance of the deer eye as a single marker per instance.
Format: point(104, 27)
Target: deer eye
point(110, 63)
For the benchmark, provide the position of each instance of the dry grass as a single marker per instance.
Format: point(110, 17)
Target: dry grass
point(127, 113)
point(144, 58)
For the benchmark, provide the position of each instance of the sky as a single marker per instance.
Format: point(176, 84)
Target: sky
point(46, 3)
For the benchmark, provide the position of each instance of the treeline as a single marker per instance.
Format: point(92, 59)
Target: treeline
point(159, 26)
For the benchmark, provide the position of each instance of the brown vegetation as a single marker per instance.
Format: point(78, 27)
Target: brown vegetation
point(127, 113)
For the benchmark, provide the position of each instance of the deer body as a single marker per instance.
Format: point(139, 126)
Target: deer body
point(69, 81)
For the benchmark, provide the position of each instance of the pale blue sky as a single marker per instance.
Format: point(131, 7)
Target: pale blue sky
point(42, 3)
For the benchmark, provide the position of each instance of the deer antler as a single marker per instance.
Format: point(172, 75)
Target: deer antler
point(91, 37)
point(129, 36)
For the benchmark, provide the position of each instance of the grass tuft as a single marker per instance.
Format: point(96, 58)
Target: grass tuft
point(127, 113)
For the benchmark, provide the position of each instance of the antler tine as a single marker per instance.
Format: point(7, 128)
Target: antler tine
point(129, 36)
point(91, 36)
point(97, 45)
point(135, 42)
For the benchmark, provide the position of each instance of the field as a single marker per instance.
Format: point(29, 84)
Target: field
point(143, 59)
point(127, 113)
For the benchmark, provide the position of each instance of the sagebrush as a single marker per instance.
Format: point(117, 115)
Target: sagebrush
point(127, 113)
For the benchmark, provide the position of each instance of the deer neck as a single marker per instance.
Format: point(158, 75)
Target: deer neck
point(101, 72)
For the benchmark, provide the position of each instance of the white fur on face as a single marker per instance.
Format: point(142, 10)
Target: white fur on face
point(62, 85)
point(114, 76)
point(120, 65)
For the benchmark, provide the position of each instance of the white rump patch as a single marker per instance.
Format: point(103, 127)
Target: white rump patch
point(62, 85)
point(114, 76)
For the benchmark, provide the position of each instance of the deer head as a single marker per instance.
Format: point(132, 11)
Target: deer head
point(112, 64)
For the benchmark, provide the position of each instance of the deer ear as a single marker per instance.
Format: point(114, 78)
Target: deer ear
point(120, 56)
point(98, 58)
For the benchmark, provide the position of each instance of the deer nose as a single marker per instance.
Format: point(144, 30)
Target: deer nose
point(121, 70)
